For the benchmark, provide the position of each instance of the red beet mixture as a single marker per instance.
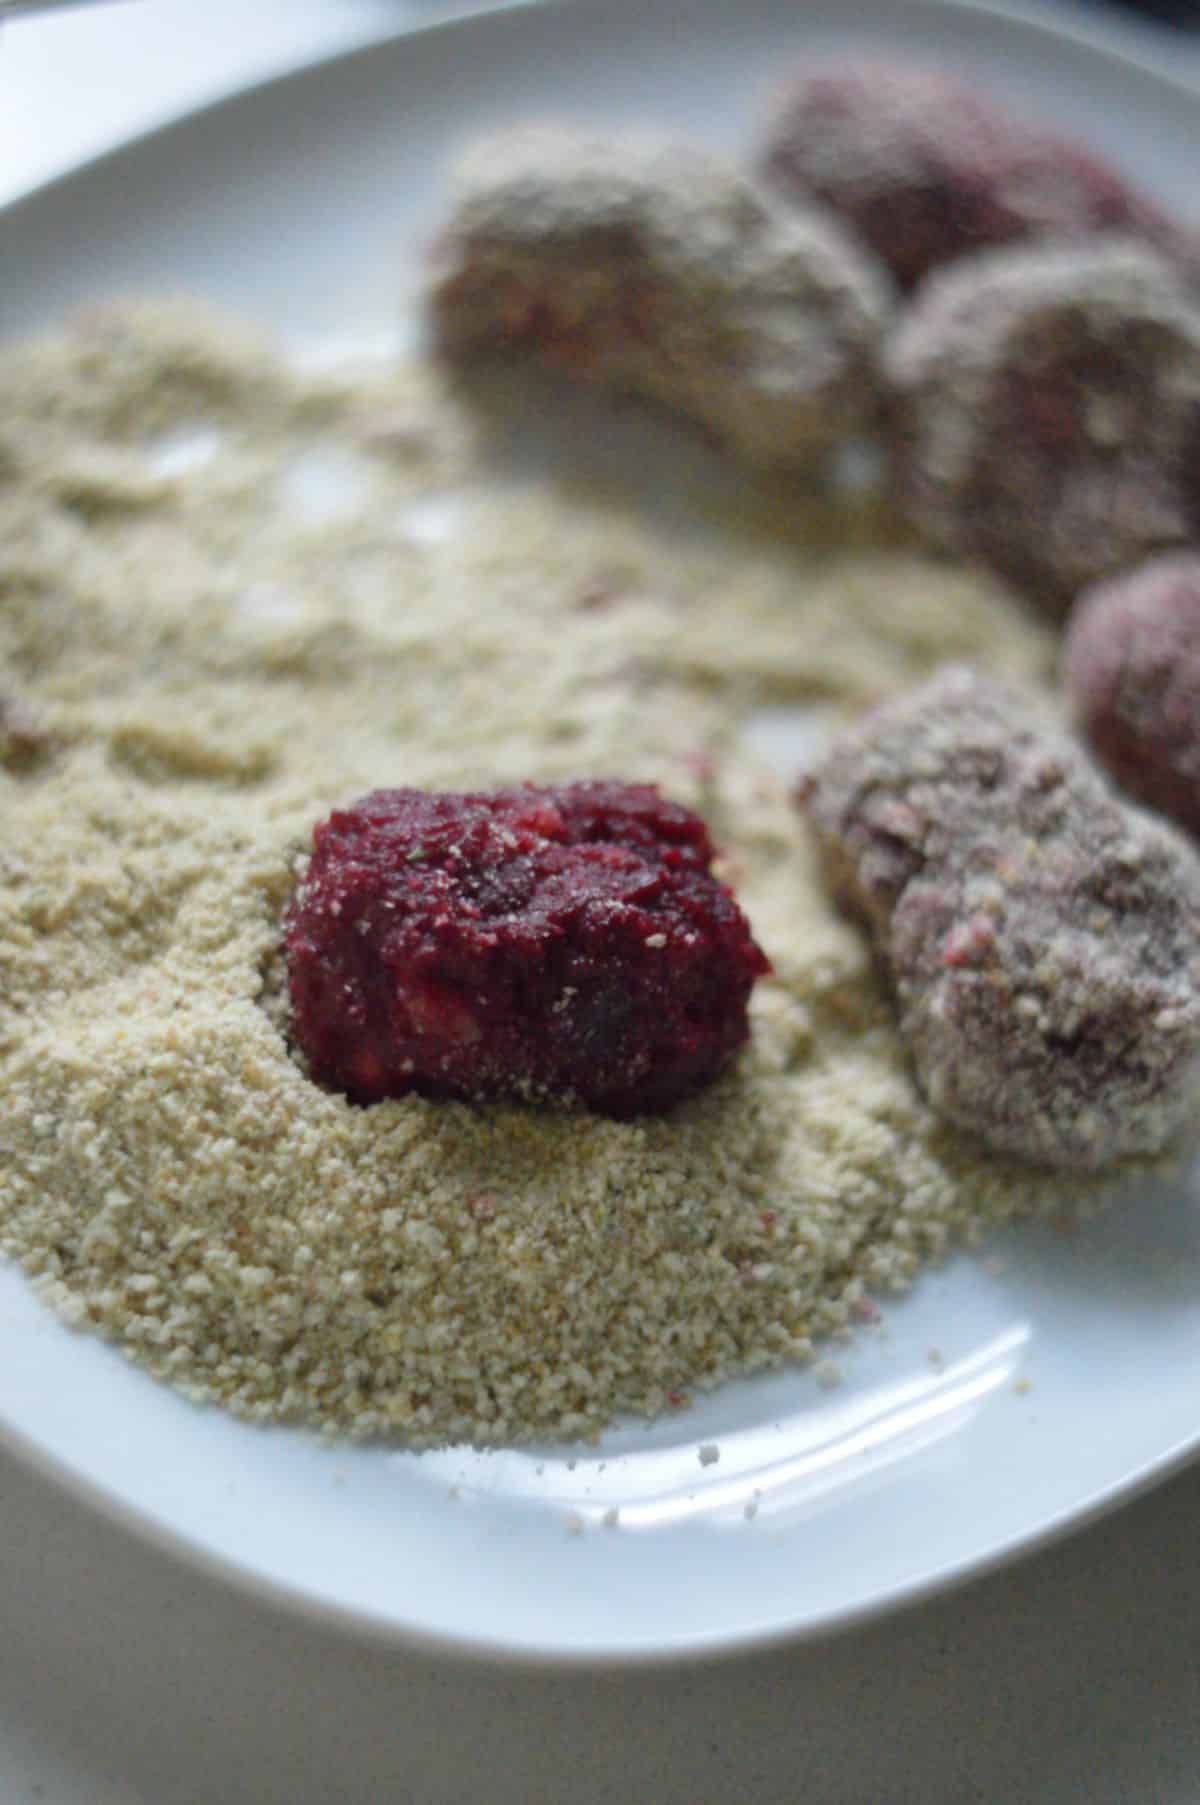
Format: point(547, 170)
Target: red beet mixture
point(564, 944)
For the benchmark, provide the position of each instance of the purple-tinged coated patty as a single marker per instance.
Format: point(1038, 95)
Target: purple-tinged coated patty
point(1042, 937)
point(1131, 670)
point(925, 169)
point(1046, 411)
point(565, 944)
point(646, 266)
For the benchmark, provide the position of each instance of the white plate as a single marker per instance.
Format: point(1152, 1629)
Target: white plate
point(1064, 1377)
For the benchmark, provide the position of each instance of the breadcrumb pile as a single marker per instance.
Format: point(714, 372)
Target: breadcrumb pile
point(232, 596)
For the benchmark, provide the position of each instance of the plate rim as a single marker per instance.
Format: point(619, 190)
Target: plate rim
point(1110, 39)
point(295, 1601)
point(1112, 42)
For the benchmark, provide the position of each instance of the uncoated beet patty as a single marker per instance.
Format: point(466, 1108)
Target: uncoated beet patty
point(565, 944)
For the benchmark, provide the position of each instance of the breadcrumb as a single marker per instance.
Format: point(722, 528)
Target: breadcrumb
point(217, 671)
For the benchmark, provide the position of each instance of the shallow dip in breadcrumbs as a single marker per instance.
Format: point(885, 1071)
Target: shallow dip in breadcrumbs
point(231, 597)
